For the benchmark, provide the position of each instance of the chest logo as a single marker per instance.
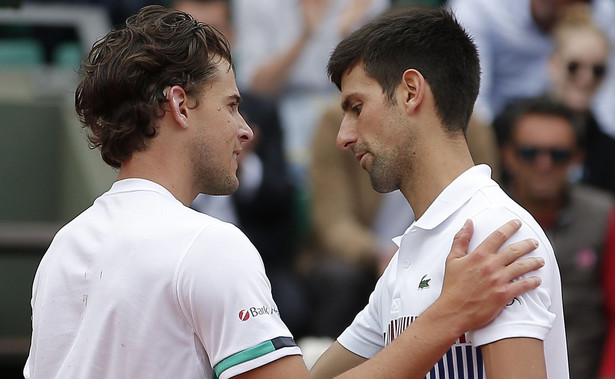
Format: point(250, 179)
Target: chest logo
point(424, 282)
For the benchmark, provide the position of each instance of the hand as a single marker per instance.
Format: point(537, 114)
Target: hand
point(313, 14)
point(477, 286)
point(352, 15)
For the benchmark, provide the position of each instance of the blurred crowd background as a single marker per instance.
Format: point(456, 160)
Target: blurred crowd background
point(544, 122)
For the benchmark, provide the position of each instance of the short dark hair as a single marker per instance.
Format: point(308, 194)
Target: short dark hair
point(121, 93)
point(506, 121)
point(429, 40)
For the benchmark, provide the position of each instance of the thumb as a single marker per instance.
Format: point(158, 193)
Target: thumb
point(462, 241)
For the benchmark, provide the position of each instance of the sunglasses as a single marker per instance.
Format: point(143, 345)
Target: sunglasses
point(530, 153)
point(598, 70)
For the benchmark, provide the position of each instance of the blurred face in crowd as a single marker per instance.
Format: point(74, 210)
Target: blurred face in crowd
point(578, 67)
point(539, 155)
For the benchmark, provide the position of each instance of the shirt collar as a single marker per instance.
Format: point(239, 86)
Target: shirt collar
point(457, 193)
point(138, 184)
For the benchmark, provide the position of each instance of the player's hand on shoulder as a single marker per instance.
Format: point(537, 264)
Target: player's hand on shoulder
point(477, 286)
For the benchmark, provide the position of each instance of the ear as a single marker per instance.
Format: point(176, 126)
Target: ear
point(413, 88)
point(177, 98)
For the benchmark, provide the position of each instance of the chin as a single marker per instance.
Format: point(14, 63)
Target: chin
point(381, 186)
point(228, 187)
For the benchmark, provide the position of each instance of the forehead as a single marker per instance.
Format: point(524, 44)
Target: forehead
point(544, 129)
point(582, 42)
point(224, 81)
point(356, 76)
point(356, 82)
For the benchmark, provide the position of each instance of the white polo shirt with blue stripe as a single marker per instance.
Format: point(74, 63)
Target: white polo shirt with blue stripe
point(413, 281)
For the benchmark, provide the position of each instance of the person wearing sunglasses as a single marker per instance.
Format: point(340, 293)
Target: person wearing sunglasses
point(578, 63)
point(577, 69)
point(542, 144)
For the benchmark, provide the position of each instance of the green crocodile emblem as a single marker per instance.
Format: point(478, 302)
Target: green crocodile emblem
point(424, 282)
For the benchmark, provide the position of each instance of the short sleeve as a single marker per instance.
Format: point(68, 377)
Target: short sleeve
point(226, 298)
point(530, 314)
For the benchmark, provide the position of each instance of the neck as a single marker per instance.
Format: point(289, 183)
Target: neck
point(149, 166)
point(437, 166)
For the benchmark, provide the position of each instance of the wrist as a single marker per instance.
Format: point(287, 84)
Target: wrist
point(447, 320)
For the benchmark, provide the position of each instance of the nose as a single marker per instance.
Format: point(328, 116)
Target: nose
point(245, 132)
point(347, 135)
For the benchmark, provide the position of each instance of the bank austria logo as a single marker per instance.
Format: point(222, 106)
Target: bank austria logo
point(245, 314)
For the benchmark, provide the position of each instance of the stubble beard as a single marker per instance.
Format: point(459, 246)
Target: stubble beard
point(381, 175)
point(218, 182)
point(213, 179)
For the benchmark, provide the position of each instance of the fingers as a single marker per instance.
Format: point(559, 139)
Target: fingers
point(516, 268)
point(521, 286)
point(462, 240)
point(496, 239)
point(516, 250)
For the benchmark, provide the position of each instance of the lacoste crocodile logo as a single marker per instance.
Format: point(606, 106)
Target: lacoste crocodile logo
point(424, 282)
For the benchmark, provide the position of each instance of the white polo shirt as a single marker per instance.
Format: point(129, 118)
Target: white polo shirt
point(413, 281)
point(141, 286)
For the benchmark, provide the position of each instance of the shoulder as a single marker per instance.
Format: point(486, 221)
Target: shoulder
point(222, 237)
point(500, 211)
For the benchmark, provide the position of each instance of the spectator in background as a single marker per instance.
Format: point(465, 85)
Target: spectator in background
point(263, 206)
point(542, 144)
point(352, 231)
point(216, 13)
point(577, 68)
point(282, 50)
point(514, 42)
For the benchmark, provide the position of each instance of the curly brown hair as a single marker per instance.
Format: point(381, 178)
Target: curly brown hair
point(121, 94)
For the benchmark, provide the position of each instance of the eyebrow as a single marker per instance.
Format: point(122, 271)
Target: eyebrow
point(235, 97)
point(346, 101)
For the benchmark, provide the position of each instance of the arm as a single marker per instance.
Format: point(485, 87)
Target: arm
point(476, 288)
point(502, 359)
point(291, 366)
point(271, 76)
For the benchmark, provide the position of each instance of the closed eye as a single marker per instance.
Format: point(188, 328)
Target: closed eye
point(234, 102)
